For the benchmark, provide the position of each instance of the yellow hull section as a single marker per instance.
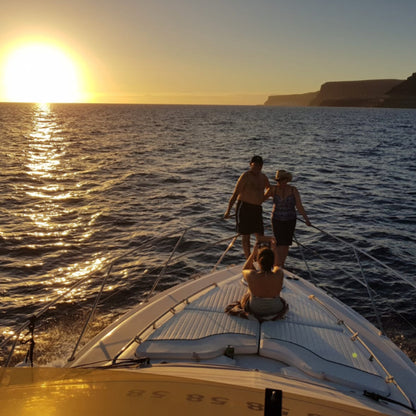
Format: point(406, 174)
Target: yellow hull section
point(70, 392)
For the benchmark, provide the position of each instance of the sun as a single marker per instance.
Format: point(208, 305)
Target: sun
point(41, 73)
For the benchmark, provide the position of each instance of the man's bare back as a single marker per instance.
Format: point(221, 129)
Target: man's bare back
point(252, 187)
point(249, 192)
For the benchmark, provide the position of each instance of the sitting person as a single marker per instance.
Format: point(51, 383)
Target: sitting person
point(265, 284)
point(263, 299)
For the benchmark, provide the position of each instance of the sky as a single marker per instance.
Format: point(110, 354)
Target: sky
point(207, 51)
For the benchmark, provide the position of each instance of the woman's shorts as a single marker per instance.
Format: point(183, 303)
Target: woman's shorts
point(283, 232)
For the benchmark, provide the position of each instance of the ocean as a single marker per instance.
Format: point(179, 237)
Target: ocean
point(85, 184)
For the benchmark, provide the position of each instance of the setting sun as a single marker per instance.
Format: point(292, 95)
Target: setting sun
point(41, 73)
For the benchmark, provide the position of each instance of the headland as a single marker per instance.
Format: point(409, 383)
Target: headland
point(390, 93)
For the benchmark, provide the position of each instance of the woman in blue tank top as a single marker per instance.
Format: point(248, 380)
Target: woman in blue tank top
point(286, 201)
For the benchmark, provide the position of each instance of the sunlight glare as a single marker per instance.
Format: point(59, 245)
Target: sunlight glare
point(41, 73)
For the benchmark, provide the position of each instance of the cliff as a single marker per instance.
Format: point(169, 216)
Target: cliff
point(366, 93)
point(402, 95)
point(291, 100)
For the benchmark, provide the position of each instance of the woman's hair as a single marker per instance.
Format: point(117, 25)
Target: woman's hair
point(266, 259)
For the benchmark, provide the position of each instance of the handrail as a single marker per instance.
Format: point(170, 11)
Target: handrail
point(161, 274)
point(364, 281)
point(137, 339)
point(356, 336)
point(97, 299)
point(413, 284)
point(370, 295)
point(109, 263)
point(114, 360)
point(225, 252)
point(44, 309)
point(352, 276)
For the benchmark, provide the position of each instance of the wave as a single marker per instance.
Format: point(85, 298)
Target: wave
point(130, 174)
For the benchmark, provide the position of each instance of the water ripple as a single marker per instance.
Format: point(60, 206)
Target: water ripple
point(81, 184)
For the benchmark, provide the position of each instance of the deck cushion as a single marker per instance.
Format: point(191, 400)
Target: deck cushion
point(322, 353)
point(198, 334)
point(218, 298)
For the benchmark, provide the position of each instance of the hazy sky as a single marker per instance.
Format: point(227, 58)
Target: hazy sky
point(218, 51)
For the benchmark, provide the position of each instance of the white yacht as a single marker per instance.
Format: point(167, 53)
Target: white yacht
point(179, 353)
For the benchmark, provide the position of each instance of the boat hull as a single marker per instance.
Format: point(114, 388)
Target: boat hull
point(31, 391)
point(321, 347)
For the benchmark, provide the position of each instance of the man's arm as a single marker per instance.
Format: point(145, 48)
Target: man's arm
point(237, 190)
point(268, 193)
point(266, 183)
point(268, 188)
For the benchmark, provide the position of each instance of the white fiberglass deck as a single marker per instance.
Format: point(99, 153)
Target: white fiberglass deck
point(308, 338)
point(202, 330)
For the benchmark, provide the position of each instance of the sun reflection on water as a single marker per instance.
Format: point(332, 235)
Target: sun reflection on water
point(58, 222)
point(44, 154)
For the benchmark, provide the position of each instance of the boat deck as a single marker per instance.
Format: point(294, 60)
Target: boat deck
point(308, 338)
point(320, 340)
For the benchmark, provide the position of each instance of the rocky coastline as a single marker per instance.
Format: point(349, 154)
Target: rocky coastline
point(388, 93)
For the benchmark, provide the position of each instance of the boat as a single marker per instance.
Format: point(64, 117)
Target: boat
point(179, 353)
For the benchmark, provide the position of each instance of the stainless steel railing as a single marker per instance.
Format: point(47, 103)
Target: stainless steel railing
point(12, 340)
point(364, 281)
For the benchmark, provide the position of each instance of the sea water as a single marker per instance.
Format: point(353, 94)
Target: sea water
point(82, 184)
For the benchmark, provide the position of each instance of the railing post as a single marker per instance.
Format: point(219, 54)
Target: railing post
point(380, 325)
point(9, 357)
point(303, 257)
point(165, 266)
point(72, 357)
point(225, 252)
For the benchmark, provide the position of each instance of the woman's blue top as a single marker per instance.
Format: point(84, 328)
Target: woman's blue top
point(284, 209)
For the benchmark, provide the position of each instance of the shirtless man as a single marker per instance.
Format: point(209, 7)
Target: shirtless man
point(249, 193)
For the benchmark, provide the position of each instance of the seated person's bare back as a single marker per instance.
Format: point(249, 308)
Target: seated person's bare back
point(265, 284)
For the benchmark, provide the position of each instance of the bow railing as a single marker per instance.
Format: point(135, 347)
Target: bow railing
point(305, 258)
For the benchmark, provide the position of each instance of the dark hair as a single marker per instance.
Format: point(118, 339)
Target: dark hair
point(266, 259)
point(257, 160)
